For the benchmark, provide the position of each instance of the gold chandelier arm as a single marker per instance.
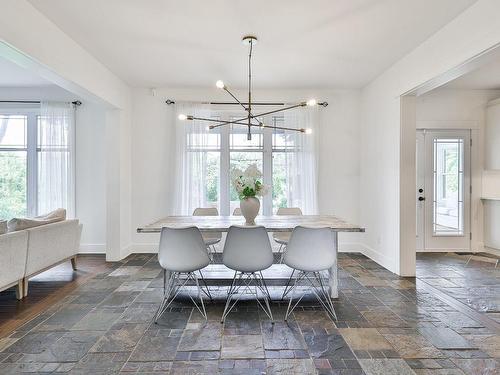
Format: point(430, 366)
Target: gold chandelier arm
point(220, 122)
point(302, 130)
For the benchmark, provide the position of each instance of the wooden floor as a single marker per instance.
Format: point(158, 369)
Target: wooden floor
point(98, 320)
point(46, 289)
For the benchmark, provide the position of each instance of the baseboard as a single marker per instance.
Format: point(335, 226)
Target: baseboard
point(87, 248)
point(378, 257)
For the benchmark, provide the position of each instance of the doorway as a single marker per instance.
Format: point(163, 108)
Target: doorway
point(443, 190)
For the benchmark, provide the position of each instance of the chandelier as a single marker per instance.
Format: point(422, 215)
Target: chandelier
point(252, 119)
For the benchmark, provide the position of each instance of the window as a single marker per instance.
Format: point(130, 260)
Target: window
point(13, 165)
point(214, 154)
point(36, 160)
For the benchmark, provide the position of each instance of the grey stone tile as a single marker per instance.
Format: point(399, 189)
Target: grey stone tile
point(290, 366)
point(478, 366)
point(100, 363)
point(175, 319)
point(34, 342)
point(123, 338)
point(156, 345)
point(206, 337)
point(386, 367)
point(65, 318)
point(242, 347)
point(119, 299)
point(445, 338)
point(99, 319)
point(282, 335)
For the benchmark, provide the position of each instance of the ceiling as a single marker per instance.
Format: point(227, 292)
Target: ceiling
point(302, 44)
point(12, 75)
point(487, 77)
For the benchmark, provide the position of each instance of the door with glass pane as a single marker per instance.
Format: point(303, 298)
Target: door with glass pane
point(444, 193)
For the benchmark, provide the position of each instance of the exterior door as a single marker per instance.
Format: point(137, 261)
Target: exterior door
point(443, 190)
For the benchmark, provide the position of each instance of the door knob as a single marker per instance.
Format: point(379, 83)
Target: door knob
point(421, 198)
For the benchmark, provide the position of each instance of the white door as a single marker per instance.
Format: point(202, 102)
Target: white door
point(443, 190)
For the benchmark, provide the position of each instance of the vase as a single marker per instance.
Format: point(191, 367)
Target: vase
point(249, 209)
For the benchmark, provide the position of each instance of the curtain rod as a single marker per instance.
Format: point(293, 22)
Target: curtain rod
point(170, 101)
point(76, 102)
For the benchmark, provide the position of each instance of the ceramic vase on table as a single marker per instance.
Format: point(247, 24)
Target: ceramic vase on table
point(250, 209)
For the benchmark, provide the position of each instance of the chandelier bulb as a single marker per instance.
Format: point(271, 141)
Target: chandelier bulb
point(219, 84)
point(308, 131)
point(182, 117)
point(312, 102)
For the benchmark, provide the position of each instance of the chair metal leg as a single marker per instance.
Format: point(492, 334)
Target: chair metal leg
point(319, 290)
point(285, 292)
point(173, 287)
point(206, 290)
point(245, 285)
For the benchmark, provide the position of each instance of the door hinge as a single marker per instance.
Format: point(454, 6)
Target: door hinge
point(470, 189)
point(470, 236)
point(471, 142)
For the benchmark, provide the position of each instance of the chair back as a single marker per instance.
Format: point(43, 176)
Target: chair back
point(247, 249)
point(310, 249)
point(237, 212)
point(206, 211)
point(182, 249)
point(289, 211)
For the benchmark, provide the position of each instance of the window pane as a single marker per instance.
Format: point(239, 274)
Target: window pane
point(12, 184)
point(280, 185)
point(205, 141)
point(448, 186)
point(238, 138)
point(212, 179)
point(242, 160)
point(13, 130)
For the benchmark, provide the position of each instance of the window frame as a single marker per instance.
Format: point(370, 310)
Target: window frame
point(225, 159)
point(32, 114)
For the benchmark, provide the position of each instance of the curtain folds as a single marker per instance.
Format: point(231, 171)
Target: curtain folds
point(301, 162)
point(191, 140)
point(56, 157)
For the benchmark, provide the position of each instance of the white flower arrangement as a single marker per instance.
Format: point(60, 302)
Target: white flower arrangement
point(248, 183)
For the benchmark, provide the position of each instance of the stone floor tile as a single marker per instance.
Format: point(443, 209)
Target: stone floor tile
point(489, 344)
point(282, 335)
point(445, 338)
point(207, 337)
point(155, 345)
point(413, 346)
point(365, 339)
point(194, 368)
point(99, 319)
point(478, 366)
point(385, 367)
point(242, 347)
point(290, 366)
point(122, 338)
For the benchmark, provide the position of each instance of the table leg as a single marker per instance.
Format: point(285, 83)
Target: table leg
point(333, 271)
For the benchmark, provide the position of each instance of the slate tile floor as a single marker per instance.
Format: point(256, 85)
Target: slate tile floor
point(386, 325)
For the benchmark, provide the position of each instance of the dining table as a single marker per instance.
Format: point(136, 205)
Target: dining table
point(277, 223)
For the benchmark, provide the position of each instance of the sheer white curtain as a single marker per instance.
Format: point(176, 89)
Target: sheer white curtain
point(56, 157)
point(192, 138)
point(301, 162)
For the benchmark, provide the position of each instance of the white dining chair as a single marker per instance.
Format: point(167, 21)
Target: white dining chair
point(182, 252)
point(309, 253)
point(211, 239)
point(237, 212)
point(247, 251)
point(282, 238)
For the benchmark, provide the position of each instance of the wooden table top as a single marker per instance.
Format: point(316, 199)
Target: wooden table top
point(271, 223)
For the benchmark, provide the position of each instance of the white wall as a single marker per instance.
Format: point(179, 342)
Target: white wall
point(388, 143)
point(91, 176)
point(152, 158)
point(492, 162)
point(461, 109)
point(89, 164)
